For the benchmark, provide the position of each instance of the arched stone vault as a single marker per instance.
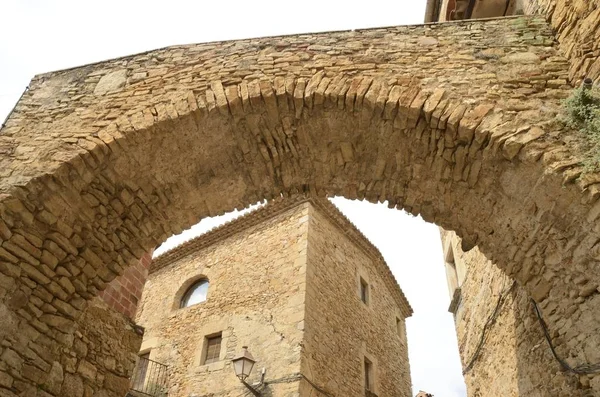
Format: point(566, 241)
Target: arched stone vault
point(456, 122)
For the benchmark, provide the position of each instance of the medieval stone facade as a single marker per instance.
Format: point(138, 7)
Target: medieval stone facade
point(457, 122)
point(452, 10)
point(502, 346)
point(296, 283)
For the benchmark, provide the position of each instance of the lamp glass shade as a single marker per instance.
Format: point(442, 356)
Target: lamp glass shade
point(243, 364)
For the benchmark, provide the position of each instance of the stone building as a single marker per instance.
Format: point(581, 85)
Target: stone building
point(454, 122)
point(298, 284)
point(502, 346)
point(452, 10)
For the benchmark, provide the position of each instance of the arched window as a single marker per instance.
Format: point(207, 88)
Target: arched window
point(195, 294)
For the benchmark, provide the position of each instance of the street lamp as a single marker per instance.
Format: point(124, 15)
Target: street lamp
point(242, 365)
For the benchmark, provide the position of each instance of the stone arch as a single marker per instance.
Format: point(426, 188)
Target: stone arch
point(489, 162)
point(481, 139)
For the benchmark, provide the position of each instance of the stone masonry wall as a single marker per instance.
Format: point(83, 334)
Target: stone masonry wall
point(515, 359)
point(256, 298)
point(339, 328)
point(123, 293)
point(577, 25)
point(456, 122)
point(103, 354)
point(98, 355)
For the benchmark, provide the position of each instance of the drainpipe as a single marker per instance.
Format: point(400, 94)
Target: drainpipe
point(430, 11)
point(470, 9)
point(507, 6)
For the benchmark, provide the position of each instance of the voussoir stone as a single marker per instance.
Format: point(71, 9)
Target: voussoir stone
point(111, 82)
point(100, 164)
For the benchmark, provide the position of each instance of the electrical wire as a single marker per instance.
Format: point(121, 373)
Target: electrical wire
point(295, 378)
point(490, 321)
point(584, 369)
point(317, 388)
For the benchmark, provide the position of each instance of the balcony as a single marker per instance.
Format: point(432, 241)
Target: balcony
point(150, 378)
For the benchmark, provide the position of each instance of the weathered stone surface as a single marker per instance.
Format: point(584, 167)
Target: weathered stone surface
point(117, 384)
point(99, 174)
point(111, 82)
point(72, 386)
point(6, 380)
point(54, 380)
point(577, 24)
point(63, 324)
point(515, 359)
point(12, 359)
point(273, 264)
point(336, 318)
point(523, 57)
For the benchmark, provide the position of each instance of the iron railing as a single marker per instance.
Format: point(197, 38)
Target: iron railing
point(150, 378)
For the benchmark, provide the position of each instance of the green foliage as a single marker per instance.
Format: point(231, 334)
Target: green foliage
point(583, 114)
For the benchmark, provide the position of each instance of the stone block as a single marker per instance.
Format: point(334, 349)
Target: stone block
point(87, 370)
point(111, 82)
point(72, 386)
point(61, 323)
point(12, 359)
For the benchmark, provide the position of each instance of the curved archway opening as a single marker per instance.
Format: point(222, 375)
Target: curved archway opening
point(413, 251)
point(485, 159)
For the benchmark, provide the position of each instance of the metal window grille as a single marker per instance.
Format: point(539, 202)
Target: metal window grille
point(150, 378)
point(213, 349)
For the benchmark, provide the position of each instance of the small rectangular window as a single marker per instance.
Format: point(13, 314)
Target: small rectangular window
point(399, 327)
point(368, 375)
point(213, 349)
point(364, 291)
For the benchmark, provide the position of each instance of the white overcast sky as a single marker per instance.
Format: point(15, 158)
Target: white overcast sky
point(38, 36)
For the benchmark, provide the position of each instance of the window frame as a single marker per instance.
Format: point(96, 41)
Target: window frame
point(455, 273)
point(363, 290)
point(369, 367)
point(368, 374)
point(207, 347)
point(183, 302)
point(399, 327)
